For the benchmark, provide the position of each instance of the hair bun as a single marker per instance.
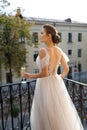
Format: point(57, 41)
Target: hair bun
point(56, 38)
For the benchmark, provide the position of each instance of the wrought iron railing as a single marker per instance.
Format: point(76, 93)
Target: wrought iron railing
point(16, 100)
point(78, 93)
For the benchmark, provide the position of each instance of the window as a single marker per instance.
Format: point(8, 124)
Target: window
point(36, 71)
point(60, 36)
point(79, 52)
point(35, 55)
point(8, 77)
point(69, 75)
point(69, 52)
point(22, 40)
point(75, 68)
point(79, 37)
point(35, 37)
point(79, 67)
point(69, 37)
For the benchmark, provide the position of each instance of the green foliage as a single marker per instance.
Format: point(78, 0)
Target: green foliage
point(14, 34)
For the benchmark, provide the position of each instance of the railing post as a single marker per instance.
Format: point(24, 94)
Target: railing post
point(20, 98)
point(29, 101)
point(11, 103)
point(81, 102)
point(2, 114)
point(73, 93)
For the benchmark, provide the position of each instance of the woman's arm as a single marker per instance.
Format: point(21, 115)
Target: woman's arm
point(43, 73)
point(65, 67)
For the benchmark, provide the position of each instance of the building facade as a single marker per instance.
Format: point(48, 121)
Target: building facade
point(73, 41)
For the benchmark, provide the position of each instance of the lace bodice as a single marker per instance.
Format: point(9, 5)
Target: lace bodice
point(45, 61)
point(41, 63)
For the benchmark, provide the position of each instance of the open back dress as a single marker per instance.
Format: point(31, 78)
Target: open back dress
point(52, 107)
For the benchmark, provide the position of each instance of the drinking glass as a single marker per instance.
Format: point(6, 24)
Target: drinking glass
point(23, 80)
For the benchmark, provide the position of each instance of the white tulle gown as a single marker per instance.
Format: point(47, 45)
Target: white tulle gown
point(52, 108)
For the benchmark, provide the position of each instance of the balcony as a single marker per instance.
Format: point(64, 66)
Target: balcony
point(16, 100)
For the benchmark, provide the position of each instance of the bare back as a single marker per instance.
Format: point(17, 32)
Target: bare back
point(55, 57)
point(50, 58)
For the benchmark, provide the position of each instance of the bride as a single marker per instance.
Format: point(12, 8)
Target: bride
point(52, 107)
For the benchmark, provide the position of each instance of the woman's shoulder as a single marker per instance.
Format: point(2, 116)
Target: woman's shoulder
point(43, 49)
point(59, 50)
point(42, 52)
point(63, 54)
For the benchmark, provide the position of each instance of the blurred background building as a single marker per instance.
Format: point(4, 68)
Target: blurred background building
point(73, 41)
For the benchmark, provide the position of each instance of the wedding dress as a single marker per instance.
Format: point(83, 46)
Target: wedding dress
point(52, 107)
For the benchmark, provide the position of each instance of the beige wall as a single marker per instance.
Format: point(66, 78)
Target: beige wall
point(64, 29)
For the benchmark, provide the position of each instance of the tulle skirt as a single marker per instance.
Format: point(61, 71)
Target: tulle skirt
point(52, 107)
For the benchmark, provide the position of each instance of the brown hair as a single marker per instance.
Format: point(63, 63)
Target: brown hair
point(50, 29)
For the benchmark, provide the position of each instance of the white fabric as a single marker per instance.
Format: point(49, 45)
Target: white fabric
point(52, 107)
point(41, 63)
point(64, 55)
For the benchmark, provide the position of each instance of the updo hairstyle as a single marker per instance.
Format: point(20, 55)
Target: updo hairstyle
point(50, 29)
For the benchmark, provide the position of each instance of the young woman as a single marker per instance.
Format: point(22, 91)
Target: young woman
point(52, 107)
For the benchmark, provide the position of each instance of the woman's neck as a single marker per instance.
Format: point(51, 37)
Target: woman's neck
point(49, 45)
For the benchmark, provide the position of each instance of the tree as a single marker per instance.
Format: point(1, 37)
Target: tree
point(3, 5)
point(14, 34)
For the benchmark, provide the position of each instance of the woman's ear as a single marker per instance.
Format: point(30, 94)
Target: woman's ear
point(49, 35)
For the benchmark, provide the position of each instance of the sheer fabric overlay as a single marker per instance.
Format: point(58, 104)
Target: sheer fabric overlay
point(52, 107)
point(41, 63)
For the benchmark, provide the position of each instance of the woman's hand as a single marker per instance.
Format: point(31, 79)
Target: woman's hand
point(25, 75)
point(23, 72)
point(62, 76)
